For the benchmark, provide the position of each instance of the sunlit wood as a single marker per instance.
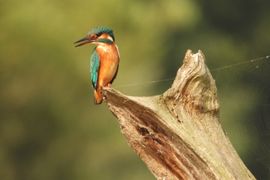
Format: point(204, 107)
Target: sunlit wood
point(178, 134)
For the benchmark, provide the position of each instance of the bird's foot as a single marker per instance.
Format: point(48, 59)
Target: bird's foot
point(109, 85)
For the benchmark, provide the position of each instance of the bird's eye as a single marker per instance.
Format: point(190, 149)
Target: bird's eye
point(99, 34)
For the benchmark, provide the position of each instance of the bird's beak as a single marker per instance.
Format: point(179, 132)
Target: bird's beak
point(83, 41)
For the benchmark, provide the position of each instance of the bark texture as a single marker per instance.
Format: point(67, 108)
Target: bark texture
point(177, 134)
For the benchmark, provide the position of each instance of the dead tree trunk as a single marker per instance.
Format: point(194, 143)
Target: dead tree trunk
point(178, 134)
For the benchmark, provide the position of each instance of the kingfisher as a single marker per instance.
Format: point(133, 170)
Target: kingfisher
point(104, 60)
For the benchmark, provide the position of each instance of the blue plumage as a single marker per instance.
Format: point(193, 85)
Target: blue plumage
point(94, 68)
point(101, 30)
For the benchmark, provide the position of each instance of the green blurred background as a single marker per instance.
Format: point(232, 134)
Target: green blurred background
point(49, 126)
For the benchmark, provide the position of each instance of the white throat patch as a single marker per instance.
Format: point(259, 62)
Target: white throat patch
point(110, 38)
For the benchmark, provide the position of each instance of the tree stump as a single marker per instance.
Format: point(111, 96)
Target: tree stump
point(177, 134)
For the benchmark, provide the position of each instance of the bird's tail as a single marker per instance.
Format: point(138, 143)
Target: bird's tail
point(98, 95)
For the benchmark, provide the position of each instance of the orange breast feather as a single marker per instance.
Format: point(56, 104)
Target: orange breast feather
point(109, 60)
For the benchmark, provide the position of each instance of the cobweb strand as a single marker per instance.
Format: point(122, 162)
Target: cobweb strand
point(229, 66)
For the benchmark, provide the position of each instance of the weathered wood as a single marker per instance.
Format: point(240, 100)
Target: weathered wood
point(178, 134)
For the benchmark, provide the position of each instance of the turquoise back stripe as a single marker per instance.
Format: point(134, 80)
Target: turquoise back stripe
point(94, 68)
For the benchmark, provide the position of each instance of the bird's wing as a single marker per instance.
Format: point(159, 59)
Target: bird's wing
point(94, 68)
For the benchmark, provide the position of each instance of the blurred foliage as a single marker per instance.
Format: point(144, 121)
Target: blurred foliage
point(49, 127)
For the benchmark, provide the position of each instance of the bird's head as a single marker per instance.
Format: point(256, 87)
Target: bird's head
point(97, 36)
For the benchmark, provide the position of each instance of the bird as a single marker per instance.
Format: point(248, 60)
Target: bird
point(104, 60)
